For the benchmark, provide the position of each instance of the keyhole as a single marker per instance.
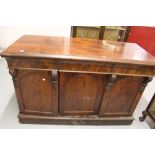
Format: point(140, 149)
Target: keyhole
point(43, 79)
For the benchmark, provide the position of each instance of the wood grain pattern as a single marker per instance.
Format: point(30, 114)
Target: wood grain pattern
point(81, 66)
point(13, 73)
point(36, 119)
point(64, 80)
point(121, 95)
point(36, 92)
point(81, 94)
point(79, 49)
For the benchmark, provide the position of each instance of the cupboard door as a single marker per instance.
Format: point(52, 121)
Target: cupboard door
point(80, 93)
point(121, 96)
point(35, 92)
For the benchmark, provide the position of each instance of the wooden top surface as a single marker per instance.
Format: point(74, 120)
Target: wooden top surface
point(79, 49)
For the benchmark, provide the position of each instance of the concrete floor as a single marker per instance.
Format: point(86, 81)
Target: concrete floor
point(9, 108)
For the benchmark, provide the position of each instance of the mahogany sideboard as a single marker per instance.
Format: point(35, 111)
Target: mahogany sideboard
point(61, 80)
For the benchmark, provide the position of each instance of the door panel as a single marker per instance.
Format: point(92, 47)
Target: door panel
point(80, 93)
point(35, 86)
point(120, 98)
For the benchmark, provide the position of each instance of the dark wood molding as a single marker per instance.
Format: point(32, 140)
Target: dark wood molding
point(127, 33)
point(101, 34)
point(36, 119)
point(98, 67)
point(73, 31)
point(111, 81)
point(13, 73)
point(55, 90)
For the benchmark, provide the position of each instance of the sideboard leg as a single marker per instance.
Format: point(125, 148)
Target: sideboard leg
point(142, 118)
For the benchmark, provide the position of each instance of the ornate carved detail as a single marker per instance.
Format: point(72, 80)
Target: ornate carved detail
point(112, 80)
point(54, 75)
point(104, 103)
point(13, 73)
point(145, 82)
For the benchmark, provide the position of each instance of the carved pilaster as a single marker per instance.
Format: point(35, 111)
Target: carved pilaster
point(110, 83)
point(13, 73)
point(55, 91)
point(145, 82)
point(112, 80)
point(54, 77)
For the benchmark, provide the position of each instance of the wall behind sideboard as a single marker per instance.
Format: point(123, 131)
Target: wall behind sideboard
point(9, 34)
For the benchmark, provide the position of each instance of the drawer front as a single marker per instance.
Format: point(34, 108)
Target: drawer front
point(81, 66)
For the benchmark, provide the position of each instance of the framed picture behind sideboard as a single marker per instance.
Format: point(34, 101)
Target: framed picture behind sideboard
point(113, 33)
